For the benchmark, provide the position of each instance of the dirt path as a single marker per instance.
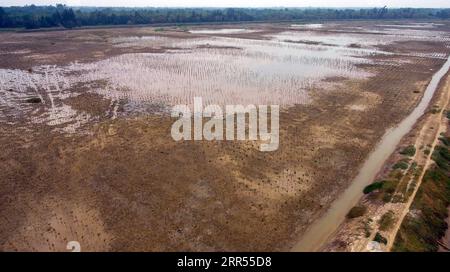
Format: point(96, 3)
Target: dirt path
point(442, 127)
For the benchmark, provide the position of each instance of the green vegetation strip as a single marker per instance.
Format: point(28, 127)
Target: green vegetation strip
point(32, 16)
point(426, 223)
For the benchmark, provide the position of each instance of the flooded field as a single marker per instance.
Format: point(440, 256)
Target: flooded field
point(221, 70)
point(85, 129)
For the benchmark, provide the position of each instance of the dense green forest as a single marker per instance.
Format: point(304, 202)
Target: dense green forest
point(31, 17)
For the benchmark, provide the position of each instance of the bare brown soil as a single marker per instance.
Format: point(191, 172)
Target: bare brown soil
point(127, 186)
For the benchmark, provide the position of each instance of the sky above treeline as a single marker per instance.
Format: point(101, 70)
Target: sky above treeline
point(236, 3)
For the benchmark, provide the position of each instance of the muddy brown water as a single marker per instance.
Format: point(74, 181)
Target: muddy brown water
point(319, 232)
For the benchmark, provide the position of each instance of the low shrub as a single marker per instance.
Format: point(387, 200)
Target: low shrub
point(409, 151)
point(386, 221)
point(372, 187)
point(435, 110)
point(356, 211)
point(380, 239)
point(400, 165)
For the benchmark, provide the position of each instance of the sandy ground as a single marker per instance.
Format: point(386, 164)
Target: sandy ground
point(124, 185)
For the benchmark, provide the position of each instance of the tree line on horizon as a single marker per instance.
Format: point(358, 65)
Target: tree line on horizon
point(33, 17)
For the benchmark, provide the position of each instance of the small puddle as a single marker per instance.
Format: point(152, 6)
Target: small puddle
point(318, 233)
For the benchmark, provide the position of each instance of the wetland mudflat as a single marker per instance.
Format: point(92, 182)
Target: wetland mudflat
point(97, 148)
